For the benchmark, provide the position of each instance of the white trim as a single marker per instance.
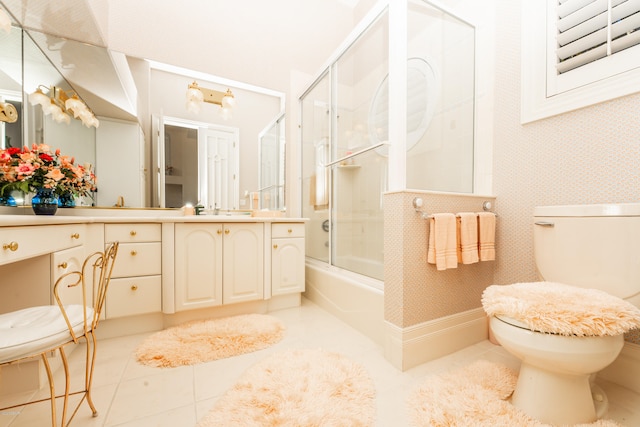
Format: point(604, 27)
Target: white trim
point(535, 104)
point(625, 370)
point(417, 344)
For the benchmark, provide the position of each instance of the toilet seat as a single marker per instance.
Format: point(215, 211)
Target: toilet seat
point(511, 321)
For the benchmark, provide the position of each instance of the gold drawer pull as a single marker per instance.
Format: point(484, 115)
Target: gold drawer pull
point(13, 246)
point(219, 231)
point(289, 231)
point(63, 264)
point(134, 287)
point(226, 231)
point(133, 233)
point(75, 236)
point(134, 253)
point(275, 246)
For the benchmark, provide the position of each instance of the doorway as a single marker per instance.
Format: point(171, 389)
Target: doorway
point(197, 163)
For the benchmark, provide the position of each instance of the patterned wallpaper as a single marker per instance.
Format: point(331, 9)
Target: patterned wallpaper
point(414, 291)
point(591, 155)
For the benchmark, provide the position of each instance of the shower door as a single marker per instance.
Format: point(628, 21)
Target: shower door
point(344, 175)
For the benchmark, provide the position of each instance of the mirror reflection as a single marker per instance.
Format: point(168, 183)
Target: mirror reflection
point(167, 171)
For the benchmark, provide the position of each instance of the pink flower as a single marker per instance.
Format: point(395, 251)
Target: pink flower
point(24, 169)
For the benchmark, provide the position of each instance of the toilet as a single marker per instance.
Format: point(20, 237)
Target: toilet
point(571, 324)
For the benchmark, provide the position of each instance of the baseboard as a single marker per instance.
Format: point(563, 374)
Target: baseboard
point(625, 370)
point(417, 344)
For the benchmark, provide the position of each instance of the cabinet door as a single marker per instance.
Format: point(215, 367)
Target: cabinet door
point(64, 262)
point(287, 266)
point(198, 266)
point(243, 262)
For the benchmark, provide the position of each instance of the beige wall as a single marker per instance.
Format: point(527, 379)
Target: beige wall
point(591, 155)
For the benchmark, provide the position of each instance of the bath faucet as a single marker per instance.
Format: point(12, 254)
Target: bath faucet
point(120, 202)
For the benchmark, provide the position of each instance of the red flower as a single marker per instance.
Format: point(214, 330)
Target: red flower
point(46, 157)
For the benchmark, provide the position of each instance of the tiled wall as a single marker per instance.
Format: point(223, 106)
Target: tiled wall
point(591, 155)
point(415, 291)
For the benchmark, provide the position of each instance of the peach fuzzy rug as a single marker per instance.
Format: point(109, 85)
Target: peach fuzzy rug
point(473, 396)
point(297, 388)
point(207, 340)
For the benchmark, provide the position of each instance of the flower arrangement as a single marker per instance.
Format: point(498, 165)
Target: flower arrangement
point(30, 169)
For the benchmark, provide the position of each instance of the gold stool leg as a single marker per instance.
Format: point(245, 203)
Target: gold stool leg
point(65, 364)
point(52, 389)
point(89, 371)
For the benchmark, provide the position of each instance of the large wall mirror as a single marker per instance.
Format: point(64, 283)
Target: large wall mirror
point(126, 94)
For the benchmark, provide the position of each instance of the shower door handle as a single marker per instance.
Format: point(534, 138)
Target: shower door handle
point(544, 224)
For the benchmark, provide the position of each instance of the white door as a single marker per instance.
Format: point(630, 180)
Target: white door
point(218, 157)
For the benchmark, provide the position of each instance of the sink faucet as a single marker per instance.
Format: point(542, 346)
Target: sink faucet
point(120, 202)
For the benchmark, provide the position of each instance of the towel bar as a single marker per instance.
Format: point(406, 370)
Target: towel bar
point(418, 203)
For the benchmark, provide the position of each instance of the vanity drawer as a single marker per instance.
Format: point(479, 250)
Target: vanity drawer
point(133, 295)
point(17, 243)
point(281, 230)
point(138, 259)
point(130, 233)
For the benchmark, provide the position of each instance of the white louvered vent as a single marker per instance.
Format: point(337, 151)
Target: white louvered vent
point(588, 30)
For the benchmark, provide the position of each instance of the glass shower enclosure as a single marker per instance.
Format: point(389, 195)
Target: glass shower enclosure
point(345, 132)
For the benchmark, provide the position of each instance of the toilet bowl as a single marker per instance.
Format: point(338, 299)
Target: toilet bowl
point(567, 330)
point(554, 380)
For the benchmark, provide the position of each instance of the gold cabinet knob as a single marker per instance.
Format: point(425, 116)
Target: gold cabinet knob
point(75, 236)
point(63, 264)
point(275, 246)
point(134, 253)
point(132, 233)
point(134, 287)
point(289, 231)
point(13, 246)
point(226, 231)
point(219, 231)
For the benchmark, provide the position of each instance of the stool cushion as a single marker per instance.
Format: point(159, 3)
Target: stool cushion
point(562, 309)
point(34, 330)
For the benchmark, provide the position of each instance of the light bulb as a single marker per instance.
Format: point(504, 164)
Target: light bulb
point(38, 97)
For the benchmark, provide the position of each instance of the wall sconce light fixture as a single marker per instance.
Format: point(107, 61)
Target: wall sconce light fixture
point(61, 105)
point(8, 113)
point(196, 95)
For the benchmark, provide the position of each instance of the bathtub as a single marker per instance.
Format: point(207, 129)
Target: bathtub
point(356, 299)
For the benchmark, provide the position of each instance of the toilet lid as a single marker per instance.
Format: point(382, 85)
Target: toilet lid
point(557, 308)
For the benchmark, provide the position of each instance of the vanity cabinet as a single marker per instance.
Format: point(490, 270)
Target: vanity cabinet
point(287, 258)
point(136, 281)
point(218, 263)
point(63, 262)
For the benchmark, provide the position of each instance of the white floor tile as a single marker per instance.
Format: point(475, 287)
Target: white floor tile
point(128, 394)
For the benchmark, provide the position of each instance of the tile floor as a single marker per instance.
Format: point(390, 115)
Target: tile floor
point(128, 394)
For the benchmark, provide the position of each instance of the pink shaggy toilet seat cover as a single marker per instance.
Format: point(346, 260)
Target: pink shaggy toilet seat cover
point(562, 309)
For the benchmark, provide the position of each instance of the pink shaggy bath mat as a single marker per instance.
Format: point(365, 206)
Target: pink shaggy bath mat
point(206, 340)
point(473, 396)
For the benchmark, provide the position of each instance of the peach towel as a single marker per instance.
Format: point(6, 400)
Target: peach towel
point(442, 249)
point(487, 236)
point(467, 225)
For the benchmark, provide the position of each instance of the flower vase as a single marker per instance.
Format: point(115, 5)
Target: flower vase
point(45, 202)
point(66, 200)
point(7, 201)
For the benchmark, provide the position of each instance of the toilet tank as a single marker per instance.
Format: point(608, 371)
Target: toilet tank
point(591, 246)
